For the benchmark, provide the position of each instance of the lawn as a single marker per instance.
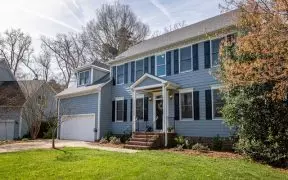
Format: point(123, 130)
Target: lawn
point(94, 164)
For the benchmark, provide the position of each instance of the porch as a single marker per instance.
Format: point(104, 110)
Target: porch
point(158, 92)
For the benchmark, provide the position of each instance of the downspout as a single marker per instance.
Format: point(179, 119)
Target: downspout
point(99, 115)
point(59, 123)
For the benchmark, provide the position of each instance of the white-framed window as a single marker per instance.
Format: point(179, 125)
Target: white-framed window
point(185, 59)
point(215, 47)
point(217, 103)
point(161, 65)
point(120, 74)
point(119, 109)
point(84, 78)
point(186, 104)
point(139, 68)
point(140, 108)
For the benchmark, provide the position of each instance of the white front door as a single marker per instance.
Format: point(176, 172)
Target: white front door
point(78, 127)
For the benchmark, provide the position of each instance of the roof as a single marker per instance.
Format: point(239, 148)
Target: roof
point(11, 94)
point(29, 87)
point(101, 65)
point(189, 32)
point(96, 64)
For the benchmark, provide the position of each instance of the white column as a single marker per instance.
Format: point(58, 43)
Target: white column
point(134, 111)
point(167, 117)
point(164, 95)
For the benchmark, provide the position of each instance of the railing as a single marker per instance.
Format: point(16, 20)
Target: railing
point(171, 124)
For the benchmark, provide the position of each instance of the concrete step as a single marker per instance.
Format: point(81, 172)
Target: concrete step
point(140, 143)
point(128, 146)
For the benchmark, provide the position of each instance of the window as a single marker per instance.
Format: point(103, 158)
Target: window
point(217, 103)
point(120, 110)
point(139, 69)
point(185, 59)
point(84, 78)
point(186, 105)
point(140, 109)
point(215, 51)
point(120, 74)
point(161, 65)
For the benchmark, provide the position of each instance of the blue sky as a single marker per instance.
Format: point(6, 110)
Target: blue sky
point(49, 17)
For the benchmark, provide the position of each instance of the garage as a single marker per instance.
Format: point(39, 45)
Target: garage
point(7, 129)
point(78, 127)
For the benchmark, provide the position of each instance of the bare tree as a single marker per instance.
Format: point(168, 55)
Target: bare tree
point(44, 61)
point(68, 51)
point(15, 48)
point(169, 29)
point(113, 31)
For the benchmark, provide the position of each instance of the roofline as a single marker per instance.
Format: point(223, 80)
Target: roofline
point(90, 66)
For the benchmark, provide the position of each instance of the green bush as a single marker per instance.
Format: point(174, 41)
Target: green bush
point(217, 143)
point(261, 123)
point(108, 135)
point(114, 140)
point(199, 147)
point(103, 141)
point(180, 140)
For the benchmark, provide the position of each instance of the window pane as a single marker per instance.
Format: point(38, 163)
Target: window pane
point(87, 74)
point(120, 74)
point(139, 69)
point(218, 103)
point(186, 105)
point(161, 59)
point(161, 70)
point(120, 110)
point(139, 109)
point(215, 51)
point(185, 59)
point(160, 65)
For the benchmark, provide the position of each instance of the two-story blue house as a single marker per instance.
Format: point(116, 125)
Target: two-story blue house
point(161, 84)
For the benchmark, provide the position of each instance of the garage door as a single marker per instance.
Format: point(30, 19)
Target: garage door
point(7, 130)
point(78, 127)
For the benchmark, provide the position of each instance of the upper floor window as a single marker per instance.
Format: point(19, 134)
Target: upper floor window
point(139, 69)
point(186, 100)
point(120, 74)
point(185, 59)
point(215, 51)
point(161, 65)
point(84, 78)
point(217, 103)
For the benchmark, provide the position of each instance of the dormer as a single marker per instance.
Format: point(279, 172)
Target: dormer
point(88, 74)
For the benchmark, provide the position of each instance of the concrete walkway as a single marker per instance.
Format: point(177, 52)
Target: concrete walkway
point(46, 144)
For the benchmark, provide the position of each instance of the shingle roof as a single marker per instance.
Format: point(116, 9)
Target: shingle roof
point(11, 94)
point(29, 87)
point(203, 27)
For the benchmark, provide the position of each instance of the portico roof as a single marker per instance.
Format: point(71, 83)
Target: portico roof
point(148, 81)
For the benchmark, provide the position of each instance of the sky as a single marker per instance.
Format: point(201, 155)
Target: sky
point(49, 17)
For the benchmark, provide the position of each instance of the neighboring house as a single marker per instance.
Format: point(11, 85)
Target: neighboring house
point(161, 83)
point(18, 99)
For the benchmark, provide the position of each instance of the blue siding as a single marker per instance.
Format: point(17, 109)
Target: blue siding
point(200, 80)
point(105, 109)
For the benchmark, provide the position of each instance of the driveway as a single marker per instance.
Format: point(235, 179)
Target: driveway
point(46, 144)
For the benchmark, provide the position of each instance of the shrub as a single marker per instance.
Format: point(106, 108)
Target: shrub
point(125, 137)
point(217, 143)
point(179, 147)
point(103, 141)
point(108, 135)
point(200, 147)
point(115, 140)
point(48, 134)
point(180, 140)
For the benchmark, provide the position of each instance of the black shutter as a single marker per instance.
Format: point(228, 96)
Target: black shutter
point(131, 109)
point(146, 65)
point(146, 101)
point(208, 98)
point(126, 73)
point(196, 105)
point(176, 107)
point(195, 57)
point(176, 61)
point(113, 111)
point(152, 62)
point(114, 75)
point(207, 54)
point(132, 71)
point(125, 110)
point(168, 63)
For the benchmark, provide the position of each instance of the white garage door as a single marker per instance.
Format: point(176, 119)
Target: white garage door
point(78, 127)
point(7, 130)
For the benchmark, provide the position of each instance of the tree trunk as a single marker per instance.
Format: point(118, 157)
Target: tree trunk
point(53, 138)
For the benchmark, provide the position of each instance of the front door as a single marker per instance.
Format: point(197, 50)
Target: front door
point(159, 114)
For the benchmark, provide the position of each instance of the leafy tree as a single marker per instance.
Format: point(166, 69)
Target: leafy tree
point(254, 70)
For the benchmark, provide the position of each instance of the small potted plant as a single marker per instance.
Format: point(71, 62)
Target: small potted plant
point(170, 129)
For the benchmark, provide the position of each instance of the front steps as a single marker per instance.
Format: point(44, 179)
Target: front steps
point(145, 140)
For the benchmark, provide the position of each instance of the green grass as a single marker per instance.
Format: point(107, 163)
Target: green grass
point(94, 164)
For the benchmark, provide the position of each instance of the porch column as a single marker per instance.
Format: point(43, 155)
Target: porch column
point(134, 111)
point(164, 95)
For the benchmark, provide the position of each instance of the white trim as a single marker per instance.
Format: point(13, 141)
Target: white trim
point(190, 58)
point(154, 109)
point(73, 115)
point(99, 115)
point(146, 75)
point(92, 76)
point(134, 111)
point(88, 66)
point(79, 79)
point(148, 87)
point(141, 98)
point(58, 114)
point(184, 91)
point(119, 99)
point(216, 86)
